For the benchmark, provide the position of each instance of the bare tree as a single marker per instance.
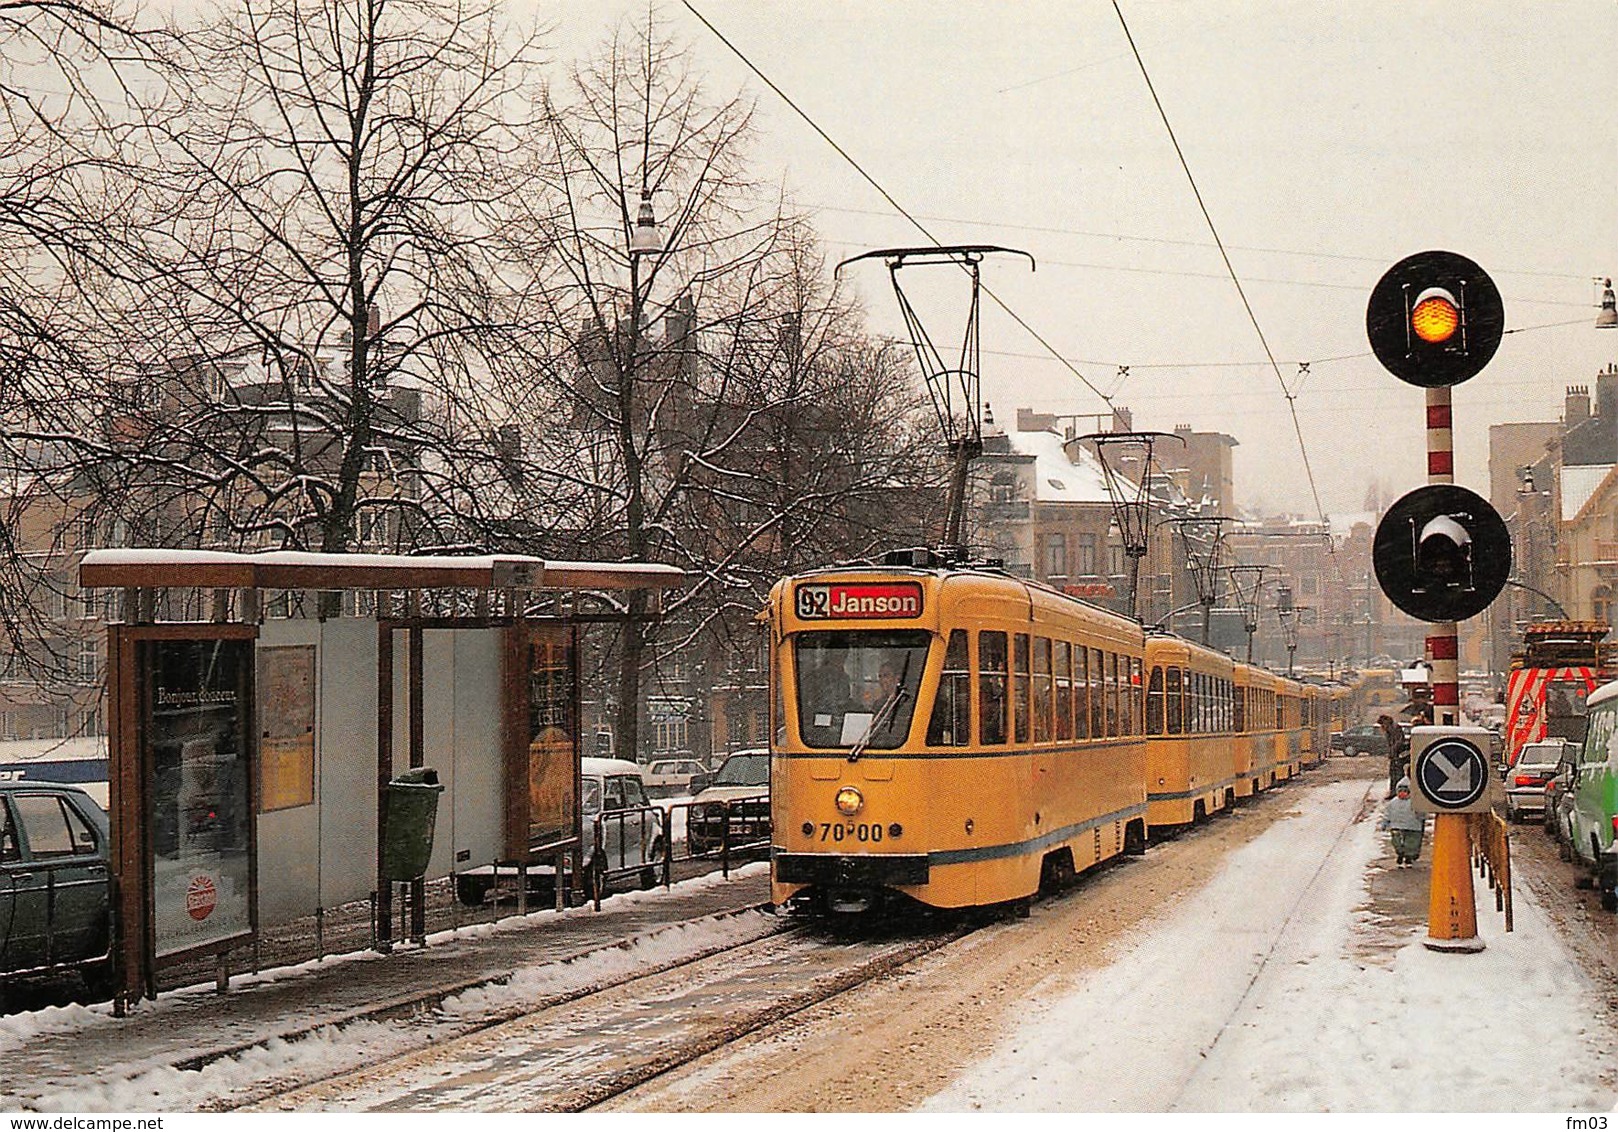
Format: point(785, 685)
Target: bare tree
point(316, 354)
point(720, 391)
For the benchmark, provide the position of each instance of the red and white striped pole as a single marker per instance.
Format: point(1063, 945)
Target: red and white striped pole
point(1452, 919)
point(1443, 644)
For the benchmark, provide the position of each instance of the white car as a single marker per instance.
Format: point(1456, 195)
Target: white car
point(621, 828)
point(623, 831)
point(672, 776)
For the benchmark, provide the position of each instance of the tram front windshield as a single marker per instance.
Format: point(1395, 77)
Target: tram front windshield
point(858, 687)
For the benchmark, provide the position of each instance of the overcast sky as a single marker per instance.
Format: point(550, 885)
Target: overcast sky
point(1328, 140)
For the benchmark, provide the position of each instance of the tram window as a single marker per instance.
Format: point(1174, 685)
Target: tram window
point(1081, 692)
point(1098, 699)
point(1137, 691)
point(1202, 703)
point(858, 685)
point(992, 686)
point(1064, 690)
point(951, 724)
point(1112, 695)
point(1020, 687)
point(1042, 689)
point(1154, 702)
point(1173, 718)
point(1239, 711)
point(1129, 693)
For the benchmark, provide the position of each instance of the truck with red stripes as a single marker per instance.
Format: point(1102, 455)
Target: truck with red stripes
point(1560, 664)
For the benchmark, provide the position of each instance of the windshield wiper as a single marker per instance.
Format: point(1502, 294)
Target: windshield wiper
point(883, 716)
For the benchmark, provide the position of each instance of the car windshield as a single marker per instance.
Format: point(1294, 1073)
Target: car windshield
point(744, 770)
point(858, 686)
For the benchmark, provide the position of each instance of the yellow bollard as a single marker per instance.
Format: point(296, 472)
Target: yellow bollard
point(1452, 919)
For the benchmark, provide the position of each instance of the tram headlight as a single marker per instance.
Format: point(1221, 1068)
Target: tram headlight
point(850, 801)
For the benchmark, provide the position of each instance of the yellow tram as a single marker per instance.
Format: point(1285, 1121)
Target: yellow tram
point(954, 735)
point(1190, 749)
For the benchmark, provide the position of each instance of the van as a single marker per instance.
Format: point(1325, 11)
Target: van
point(1594, 793)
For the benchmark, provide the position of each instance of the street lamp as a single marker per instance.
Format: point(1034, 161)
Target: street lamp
point(1608, 317)
point(645, 239)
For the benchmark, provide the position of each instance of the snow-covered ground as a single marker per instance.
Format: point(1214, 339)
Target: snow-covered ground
point(1292, 994)
point(335, 1048)
point(1256, 997)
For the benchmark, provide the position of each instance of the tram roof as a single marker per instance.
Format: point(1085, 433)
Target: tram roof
point(154, 568)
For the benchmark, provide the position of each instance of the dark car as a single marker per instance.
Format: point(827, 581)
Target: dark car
point(736, 803)
point(1559, 802)
point(1365, 739)
point(55, 901)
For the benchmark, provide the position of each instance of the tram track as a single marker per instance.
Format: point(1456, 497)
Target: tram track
point(579, 1050)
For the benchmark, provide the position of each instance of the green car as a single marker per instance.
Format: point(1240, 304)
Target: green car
point(1595, 795)
point(55, 900)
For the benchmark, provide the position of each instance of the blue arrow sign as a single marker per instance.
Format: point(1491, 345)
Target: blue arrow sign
point(1452, 773)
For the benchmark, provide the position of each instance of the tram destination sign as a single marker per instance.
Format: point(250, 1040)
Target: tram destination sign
point(834, 601)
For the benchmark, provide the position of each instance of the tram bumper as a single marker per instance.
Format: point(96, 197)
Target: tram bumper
point(829, 869)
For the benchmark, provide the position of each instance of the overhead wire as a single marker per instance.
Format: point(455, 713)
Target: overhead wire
point(875, 184)
point(1213, 229)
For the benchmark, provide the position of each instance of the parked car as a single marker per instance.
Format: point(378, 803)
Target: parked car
point(1365, 739)
point(1559, 802)
point(740, 796)
point(622, 831)
point(55, 899)
point(1525, 783)
point(675, 776)
point(1336, 741)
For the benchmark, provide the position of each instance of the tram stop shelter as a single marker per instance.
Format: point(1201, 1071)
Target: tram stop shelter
point(263, 706)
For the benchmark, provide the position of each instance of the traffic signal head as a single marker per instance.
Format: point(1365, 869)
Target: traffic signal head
point(1435, 319)
point(1442, 553)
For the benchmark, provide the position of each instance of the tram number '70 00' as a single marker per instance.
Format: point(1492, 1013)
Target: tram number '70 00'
point(849, 831)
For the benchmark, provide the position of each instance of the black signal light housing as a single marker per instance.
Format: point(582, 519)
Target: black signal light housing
point(1435, 319)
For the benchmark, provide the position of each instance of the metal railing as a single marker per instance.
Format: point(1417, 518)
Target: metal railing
point(724, 829)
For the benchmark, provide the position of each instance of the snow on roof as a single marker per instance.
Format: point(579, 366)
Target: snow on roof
point(1057, 478)
point(1579, 483)
point(296, 569)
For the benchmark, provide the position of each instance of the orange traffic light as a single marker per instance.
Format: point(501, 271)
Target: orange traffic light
point(1435, 316)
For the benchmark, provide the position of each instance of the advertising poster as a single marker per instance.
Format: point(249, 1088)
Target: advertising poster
point(553, 759)
point(199, 793)
point(286, 714)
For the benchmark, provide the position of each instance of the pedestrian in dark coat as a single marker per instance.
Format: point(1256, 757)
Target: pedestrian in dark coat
point(1398, 751)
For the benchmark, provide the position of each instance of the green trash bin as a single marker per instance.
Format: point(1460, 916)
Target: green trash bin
point(412, 802)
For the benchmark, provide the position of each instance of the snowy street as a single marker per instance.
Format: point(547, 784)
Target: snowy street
point(1282, 987)
point(1269, 961)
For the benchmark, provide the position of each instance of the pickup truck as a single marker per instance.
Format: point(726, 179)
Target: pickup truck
point(55, 898)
